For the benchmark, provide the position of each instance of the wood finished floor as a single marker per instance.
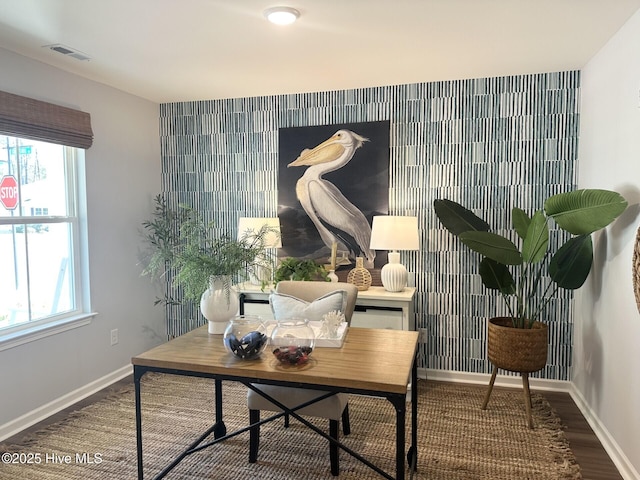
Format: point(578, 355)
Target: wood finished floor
point(594, 461)
point(591, 456)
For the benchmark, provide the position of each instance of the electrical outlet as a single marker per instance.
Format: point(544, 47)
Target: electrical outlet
point(114, 336)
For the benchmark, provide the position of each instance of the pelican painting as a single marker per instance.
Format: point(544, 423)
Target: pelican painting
point(334, 216)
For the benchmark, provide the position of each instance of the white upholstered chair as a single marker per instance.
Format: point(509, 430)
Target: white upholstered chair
point(335, 407)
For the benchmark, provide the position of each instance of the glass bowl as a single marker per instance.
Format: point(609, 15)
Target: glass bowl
point(245, 337)
point(292, 341)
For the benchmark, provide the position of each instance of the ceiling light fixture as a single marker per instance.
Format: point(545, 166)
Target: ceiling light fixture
point(282, 15)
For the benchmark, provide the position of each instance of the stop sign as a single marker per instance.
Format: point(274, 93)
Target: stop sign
point(9, 192)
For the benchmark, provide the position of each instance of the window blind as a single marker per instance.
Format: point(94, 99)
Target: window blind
point(29, 118)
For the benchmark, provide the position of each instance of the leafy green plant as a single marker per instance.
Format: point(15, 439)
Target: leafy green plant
point(297, 269)
point(181, 242)
point(517, 272)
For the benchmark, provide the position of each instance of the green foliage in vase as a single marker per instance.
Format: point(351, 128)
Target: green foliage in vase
point(517, 272)
point(180, 241)
point(296, 269)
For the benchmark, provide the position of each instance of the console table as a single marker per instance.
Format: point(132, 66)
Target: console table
point(375, 307)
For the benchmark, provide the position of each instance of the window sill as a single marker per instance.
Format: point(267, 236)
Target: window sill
point(38, 332)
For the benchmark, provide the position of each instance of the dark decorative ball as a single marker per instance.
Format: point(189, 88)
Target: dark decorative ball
point(293, 355)
point(248, 347)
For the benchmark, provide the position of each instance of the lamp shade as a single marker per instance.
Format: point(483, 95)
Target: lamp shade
point(252, 225)
point(390, 232)
point(394, 233)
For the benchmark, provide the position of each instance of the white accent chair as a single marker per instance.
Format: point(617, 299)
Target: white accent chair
point(335, 407)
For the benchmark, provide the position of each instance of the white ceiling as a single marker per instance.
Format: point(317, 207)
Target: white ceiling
point(179, 50)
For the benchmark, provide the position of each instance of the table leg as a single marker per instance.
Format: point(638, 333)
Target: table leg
point(412, 456)
point(137, 374)
point(401, 412)
point(219, 429)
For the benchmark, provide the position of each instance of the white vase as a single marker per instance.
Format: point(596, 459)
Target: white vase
point(219, 304)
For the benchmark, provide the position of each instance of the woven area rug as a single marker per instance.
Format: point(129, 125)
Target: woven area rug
point(457, 440)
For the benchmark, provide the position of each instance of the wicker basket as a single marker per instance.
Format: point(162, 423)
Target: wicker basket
point(517, 349)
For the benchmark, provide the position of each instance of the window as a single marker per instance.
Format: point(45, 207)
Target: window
point(40, 277)
point(42, 289)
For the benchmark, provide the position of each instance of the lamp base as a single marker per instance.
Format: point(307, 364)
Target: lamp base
point(394, 274)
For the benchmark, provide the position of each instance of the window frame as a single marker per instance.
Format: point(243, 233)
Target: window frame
point(80, 315)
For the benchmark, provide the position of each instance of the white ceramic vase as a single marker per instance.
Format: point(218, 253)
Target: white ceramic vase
point(219, 304)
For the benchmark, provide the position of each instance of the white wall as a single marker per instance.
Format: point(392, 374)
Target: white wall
point(123, 175)
point(607, 322)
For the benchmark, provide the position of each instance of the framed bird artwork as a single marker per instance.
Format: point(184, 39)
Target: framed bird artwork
point(332, 180)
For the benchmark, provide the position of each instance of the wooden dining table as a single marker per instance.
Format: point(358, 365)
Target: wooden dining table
point(373, 362)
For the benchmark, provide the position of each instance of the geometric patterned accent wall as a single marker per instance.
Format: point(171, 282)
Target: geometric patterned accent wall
point(488, 143)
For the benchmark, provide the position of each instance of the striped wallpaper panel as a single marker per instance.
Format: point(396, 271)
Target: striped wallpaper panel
point(489, 143)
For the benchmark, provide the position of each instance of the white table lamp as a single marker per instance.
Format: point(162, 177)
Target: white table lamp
point(248, 226)
point(394, 233)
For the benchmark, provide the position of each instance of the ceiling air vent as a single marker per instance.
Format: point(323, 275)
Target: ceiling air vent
point(70, 52)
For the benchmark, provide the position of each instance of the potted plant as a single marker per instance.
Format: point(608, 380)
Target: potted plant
point(528, 276)
point(300, 269)
point(202, 263)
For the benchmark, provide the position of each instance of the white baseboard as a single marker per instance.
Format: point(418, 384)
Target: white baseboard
point(619, 459)
point(31, 418)
point(512, 381)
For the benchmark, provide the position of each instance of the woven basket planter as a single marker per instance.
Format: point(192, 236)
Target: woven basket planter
point(522, 350)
